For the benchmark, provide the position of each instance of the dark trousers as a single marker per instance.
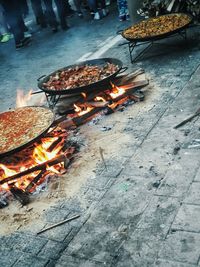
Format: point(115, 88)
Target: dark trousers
point(93, 4)
point(14, 19)
point(62, 9)
point(47, 16)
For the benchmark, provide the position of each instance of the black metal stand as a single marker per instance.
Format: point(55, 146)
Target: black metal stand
point(134, 44)
point(52, 100)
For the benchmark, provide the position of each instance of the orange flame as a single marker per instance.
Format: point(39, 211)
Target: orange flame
point(116, 91)
point(40, 154)
point(99, 98)
point(28, 99)
point(82, 110)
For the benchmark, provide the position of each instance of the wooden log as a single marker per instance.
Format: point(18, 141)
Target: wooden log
point(34, 181)
point(41, 166)
point(20, 195)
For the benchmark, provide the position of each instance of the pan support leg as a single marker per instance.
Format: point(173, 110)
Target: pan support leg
point(133, 45)
point(52, 100)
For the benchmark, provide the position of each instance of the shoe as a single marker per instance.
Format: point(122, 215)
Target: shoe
point(122, 17)
point(5, 37)
point(64, 27)
point(27, 34)
point(24, 42)
point(127, 17)
point(97, 16)
point(54, 29)
point(105, 12)
point(80, 14)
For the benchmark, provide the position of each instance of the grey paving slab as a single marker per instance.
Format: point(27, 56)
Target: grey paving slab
point(8, 257)
point(68, 261)
point(30, 261)
point(111, 222)
point(51, 250)
point(197, 178)
point(142, 243)
point(182, 247)
point(180, 175)
point(187, 218)
point(159, 215)
point(193, 195)
point(168, 263)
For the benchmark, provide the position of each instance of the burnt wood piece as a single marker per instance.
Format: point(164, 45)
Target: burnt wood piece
point(34, 181)
point(20, 195)
point(82, 119)
point(129, 77)
point(41, 166)
point(54, 144)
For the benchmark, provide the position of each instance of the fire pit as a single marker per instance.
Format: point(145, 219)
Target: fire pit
point(23, 169)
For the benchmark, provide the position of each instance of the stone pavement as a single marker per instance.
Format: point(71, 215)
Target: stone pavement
point(144, 209)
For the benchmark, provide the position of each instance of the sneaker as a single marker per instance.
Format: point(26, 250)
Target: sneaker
point(54, 29)
point(27, 34)
point(80, 14)
point(5, 37)
point(64, 27)
point(25, 41)
point(127, 17)
point(122, 17)
point(104, 12)
point(97, 16)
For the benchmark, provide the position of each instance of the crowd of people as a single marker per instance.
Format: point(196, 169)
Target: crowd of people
point(12, 14)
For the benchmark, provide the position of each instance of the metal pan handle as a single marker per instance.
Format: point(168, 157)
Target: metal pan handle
point(123, 69)
point(38, 79)
point(119, 32)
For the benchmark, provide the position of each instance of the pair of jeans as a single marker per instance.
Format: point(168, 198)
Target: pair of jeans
point(93, 4)
point(122, 7)
point(63, 10)
point(47, 16)
point(14, 19)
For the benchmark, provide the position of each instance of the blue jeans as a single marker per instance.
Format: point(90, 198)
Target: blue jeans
point(122, 7)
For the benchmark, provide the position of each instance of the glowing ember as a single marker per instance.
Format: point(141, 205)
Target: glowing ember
point(99, 98)
point(82, 110)
point(116, 91)
point(84, 95)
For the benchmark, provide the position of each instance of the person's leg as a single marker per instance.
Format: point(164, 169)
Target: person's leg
point(50, 15)
point(62, 13)
point(38, 12)
point(77, 4)
point(93, 5)
point(24, 7)
point(13, 16)
point(3, 24)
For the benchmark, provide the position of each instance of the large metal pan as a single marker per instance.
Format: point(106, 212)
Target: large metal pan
point(89, 88)
point(159, 36)
point(17, 145)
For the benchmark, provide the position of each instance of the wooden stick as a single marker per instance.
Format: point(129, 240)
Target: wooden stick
point(57, 224)
point(41, 166)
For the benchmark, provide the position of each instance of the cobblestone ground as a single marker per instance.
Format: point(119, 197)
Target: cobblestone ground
point(144, 209)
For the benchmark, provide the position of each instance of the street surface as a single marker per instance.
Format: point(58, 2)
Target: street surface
point(144, 208)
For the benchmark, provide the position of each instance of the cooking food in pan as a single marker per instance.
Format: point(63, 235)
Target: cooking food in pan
point(20, 126)
point(79, 76)
point(157, 26)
